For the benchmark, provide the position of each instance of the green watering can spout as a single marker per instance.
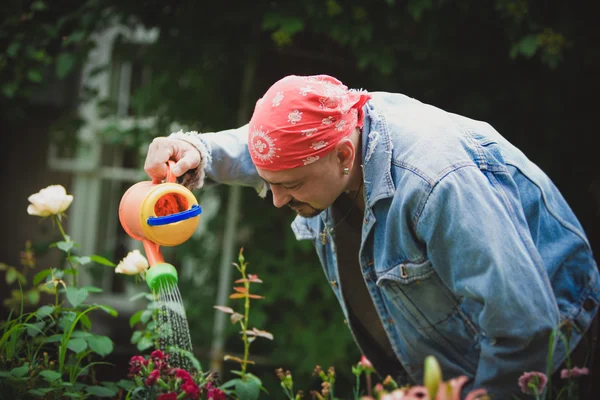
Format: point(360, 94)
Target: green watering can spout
point(161, 274)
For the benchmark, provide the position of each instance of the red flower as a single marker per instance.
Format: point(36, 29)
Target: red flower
point(157, 354)
point(136, 363)
point(168, 396)
point(159, 359)
point(216, 394)
point(191, 389)
point(182, 374)
point(153, 377)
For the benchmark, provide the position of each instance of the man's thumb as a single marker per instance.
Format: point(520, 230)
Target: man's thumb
point(176, 170)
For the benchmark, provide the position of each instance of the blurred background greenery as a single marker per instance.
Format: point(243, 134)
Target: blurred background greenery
point(529, 68)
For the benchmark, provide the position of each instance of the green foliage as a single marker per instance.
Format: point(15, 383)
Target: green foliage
point(50, 351)
point(43, 42)
point(247, 386)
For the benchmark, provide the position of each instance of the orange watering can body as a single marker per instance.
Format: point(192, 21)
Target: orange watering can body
point(159, 214)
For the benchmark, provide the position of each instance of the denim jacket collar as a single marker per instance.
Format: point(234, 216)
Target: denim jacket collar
point(377, 157)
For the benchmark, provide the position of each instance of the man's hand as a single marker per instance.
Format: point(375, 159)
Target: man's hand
point(163, 149)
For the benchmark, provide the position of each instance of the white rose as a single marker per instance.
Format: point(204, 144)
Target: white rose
point(49, 201)
point(133, 263)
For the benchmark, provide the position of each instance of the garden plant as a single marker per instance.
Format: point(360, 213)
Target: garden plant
point(48, 349)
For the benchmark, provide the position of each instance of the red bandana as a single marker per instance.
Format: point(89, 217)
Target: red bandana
point(302, 118)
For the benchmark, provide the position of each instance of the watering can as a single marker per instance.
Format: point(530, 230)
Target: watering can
point(159, 214)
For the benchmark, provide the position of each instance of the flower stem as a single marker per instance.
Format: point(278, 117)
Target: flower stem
point(67, 239)
point(246, 317)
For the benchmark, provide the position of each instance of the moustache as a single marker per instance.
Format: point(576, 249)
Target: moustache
point(293, 203)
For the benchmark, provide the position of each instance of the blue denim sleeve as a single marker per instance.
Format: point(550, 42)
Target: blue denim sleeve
point(227, 158)
point(479, 243)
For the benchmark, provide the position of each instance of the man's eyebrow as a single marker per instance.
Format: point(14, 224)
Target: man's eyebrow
point(290, 183)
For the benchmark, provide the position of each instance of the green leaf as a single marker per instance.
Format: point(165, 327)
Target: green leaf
point(65, 246)
point(102, 345)
point(125, 384)
point(85, 321)
point(21, 371)
point(34, 75)
point(528, 45)
point(34, 329)
point(12, 49)
point(40, 392)
point(74, 37)
point(139, 295)
point(81, 334)
point(73, 395)
point(64, 64)
point(144, 343)
point(247, 389)
point(38, 5)
point(50, 375)
point(101, 391)
point(146, 316)
point(76, 296)
point(40, 276)
point(9, 89)
point(135, 337)
point(33, 296)
point(108, 309)
point(135, 318)
point(92, 289)
point(45, 310)
point(81, 260)
point(77, 345)
point(101, 260)
point(11, 275)
point(54, 338)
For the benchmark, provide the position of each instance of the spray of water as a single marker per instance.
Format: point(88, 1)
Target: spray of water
point(173, 329)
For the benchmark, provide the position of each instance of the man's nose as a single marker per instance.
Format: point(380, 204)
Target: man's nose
point(280, 196)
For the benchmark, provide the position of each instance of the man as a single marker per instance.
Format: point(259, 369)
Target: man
point(437, 235)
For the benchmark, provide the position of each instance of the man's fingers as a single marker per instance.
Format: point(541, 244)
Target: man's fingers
point(190, 159)
point(161, 150)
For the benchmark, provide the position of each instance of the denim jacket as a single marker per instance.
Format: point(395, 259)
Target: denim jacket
point(469, 251)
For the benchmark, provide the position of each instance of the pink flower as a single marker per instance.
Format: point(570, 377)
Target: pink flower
point(136, 363)
point(574, 372)
point(168, 396)
point(534, 378)
point(365, 363)
point(153, 377)
point(191, 389)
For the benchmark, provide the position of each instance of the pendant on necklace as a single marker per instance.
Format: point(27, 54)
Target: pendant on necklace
point(323, 235)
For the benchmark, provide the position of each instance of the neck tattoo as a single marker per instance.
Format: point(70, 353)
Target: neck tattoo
point(327, 231)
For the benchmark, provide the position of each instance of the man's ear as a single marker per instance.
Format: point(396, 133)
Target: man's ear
point(345, 152)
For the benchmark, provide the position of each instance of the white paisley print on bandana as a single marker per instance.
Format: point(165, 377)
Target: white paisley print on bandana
point(300, 119)
point(294, 116)
point(277, 99)
point(262, 145)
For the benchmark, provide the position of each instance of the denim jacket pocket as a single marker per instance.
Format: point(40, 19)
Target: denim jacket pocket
point(417, 290)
